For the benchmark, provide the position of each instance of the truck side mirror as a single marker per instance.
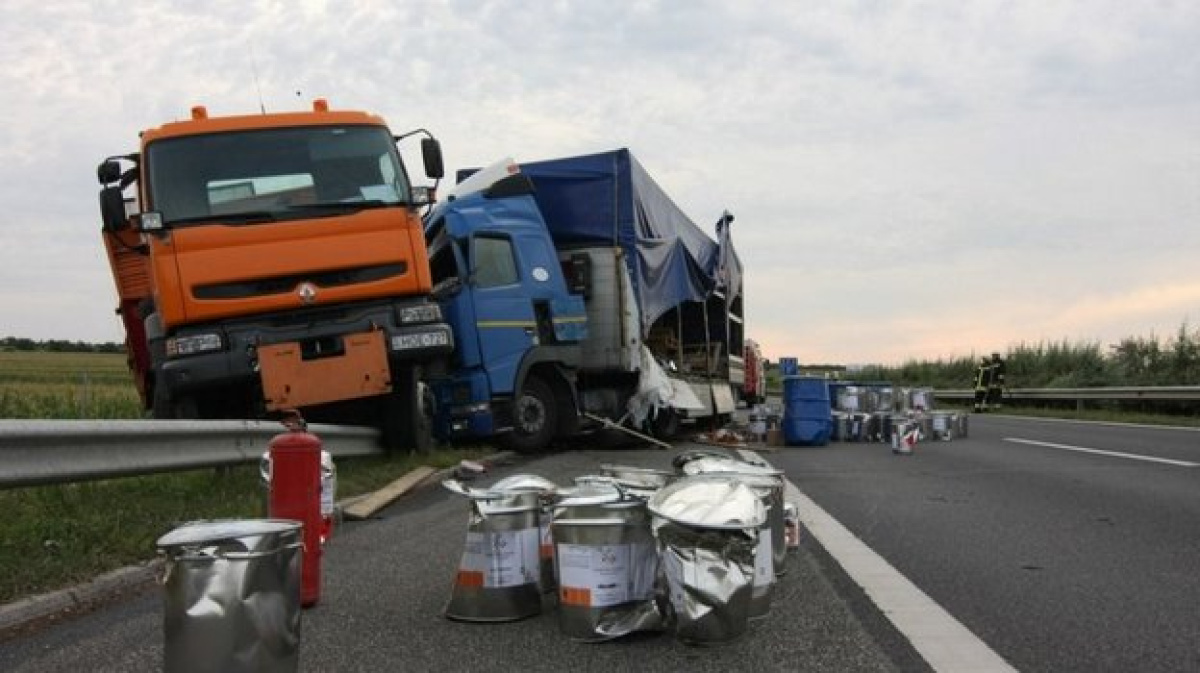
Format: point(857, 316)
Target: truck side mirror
point(431, 154)
point(112, 208)
point(108, 172)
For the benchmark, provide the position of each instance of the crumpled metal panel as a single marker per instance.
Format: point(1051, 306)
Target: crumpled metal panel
point(231, 600)
point(707, 528)
point(708, 576)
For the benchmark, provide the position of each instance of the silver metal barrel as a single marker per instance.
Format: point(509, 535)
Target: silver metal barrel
point(498, 578)
point(606, 570)
point(231, 599)
point(546, 491)
point(707, 527)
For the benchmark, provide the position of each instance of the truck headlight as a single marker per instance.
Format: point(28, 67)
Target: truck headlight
point(417, 314)
point(193, 344)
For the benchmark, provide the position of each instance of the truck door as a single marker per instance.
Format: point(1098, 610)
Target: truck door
point(504, 311)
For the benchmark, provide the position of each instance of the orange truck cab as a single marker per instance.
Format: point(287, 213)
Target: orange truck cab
point(276, 261)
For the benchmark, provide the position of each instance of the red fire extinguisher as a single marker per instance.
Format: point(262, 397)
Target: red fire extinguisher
point(296, 494)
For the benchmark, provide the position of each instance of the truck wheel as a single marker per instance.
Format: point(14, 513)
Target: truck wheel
point(535, 418)
point(404, 420)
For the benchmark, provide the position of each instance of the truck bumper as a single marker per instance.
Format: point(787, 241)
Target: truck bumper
point(464, 408)
point(237, 364)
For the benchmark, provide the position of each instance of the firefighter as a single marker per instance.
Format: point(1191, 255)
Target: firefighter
point(983, 379)
point(996, 381)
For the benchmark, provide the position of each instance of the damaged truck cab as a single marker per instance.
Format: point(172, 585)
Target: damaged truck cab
point(276, 261)
point(579, 294)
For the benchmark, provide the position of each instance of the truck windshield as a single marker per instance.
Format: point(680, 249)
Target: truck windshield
point(267, 175)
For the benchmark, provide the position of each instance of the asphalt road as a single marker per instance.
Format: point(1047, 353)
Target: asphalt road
point(387, 580)
point(1059, 559)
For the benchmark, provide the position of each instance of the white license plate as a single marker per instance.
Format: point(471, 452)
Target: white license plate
point(402, 342)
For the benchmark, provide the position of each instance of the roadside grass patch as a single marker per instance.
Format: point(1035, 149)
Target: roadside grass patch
point(56, 536)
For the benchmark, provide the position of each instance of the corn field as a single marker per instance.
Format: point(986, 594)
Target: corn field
point(1134, 361)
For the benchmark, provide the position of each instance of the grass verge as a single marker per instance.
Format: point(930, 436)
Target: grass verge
point(56, 536)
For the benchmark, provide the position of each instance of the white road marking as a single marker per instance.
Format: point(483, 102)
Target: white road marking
point(944, 643)
point(1101, 452)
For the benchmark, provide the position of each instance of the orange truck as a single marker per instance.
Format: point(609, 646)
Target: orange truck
point(277, 261)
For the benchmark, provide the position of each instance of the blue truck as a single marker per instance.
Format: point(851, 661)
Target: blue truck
point(581, 296)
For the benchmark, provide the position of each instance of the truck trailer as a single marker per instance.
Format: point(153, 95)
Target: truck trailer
point(581, 296)
point(276, 261)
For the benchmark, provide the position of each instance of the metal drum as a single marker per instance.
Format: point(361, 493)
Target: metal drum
point(545, 490)
point(606, 569)
point(943, 425)
point(498, 578)
point(231, 600)
point(707, 527)
point(851, 399)
point(837, 426)
point(768, 483)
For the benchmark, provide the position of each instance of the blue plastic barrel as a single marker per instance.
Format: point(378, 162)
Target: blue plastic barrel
point(789, 366)
point(806, 412)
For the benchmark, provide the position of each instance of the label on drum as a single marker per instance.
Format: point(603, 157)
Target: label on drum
point(546, 551)
point(598, 576)
point(500, 558)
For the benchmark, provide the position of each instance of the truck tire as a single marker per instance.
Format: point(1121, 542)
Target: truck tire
point(404, 419)
point(535, 418)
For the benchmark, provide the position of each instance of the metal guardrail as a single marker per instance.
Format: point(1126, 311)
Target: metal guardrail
point(57, 452)
point(1149, 393)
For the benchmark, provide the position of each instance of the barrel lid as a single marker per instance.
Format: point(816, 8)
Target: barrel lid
point(637, 477)
point(692, 454)
point(729, 466)
point(525, 482)
point(713, 501)
point(200, 532)
point(590, 492)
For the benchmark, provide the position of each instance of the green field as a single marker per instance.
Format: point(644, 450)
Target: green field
point(35, 384)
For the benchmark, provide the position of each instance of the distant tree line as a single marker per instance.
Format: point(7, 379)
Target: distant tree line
point(58, 346)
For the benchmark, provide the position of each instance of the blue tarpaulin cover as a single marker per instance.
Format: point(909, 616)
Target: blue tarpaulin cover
point(608, 198)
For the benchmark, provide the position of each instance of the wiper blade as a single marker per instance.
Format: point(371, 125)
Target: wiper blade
point(343, 206)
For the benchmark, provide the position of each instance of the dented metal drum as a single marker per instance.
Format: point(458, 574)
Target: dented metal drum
point(707, 527)
point(498, 578)
point(231, 600)
point(768, 483)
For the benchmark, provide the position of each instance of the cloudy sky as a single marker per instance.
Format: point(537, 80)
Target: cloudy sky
point(910, 180)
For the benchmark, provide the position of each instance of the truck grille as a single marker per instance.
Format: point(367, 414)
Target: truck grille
point(283, 284)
